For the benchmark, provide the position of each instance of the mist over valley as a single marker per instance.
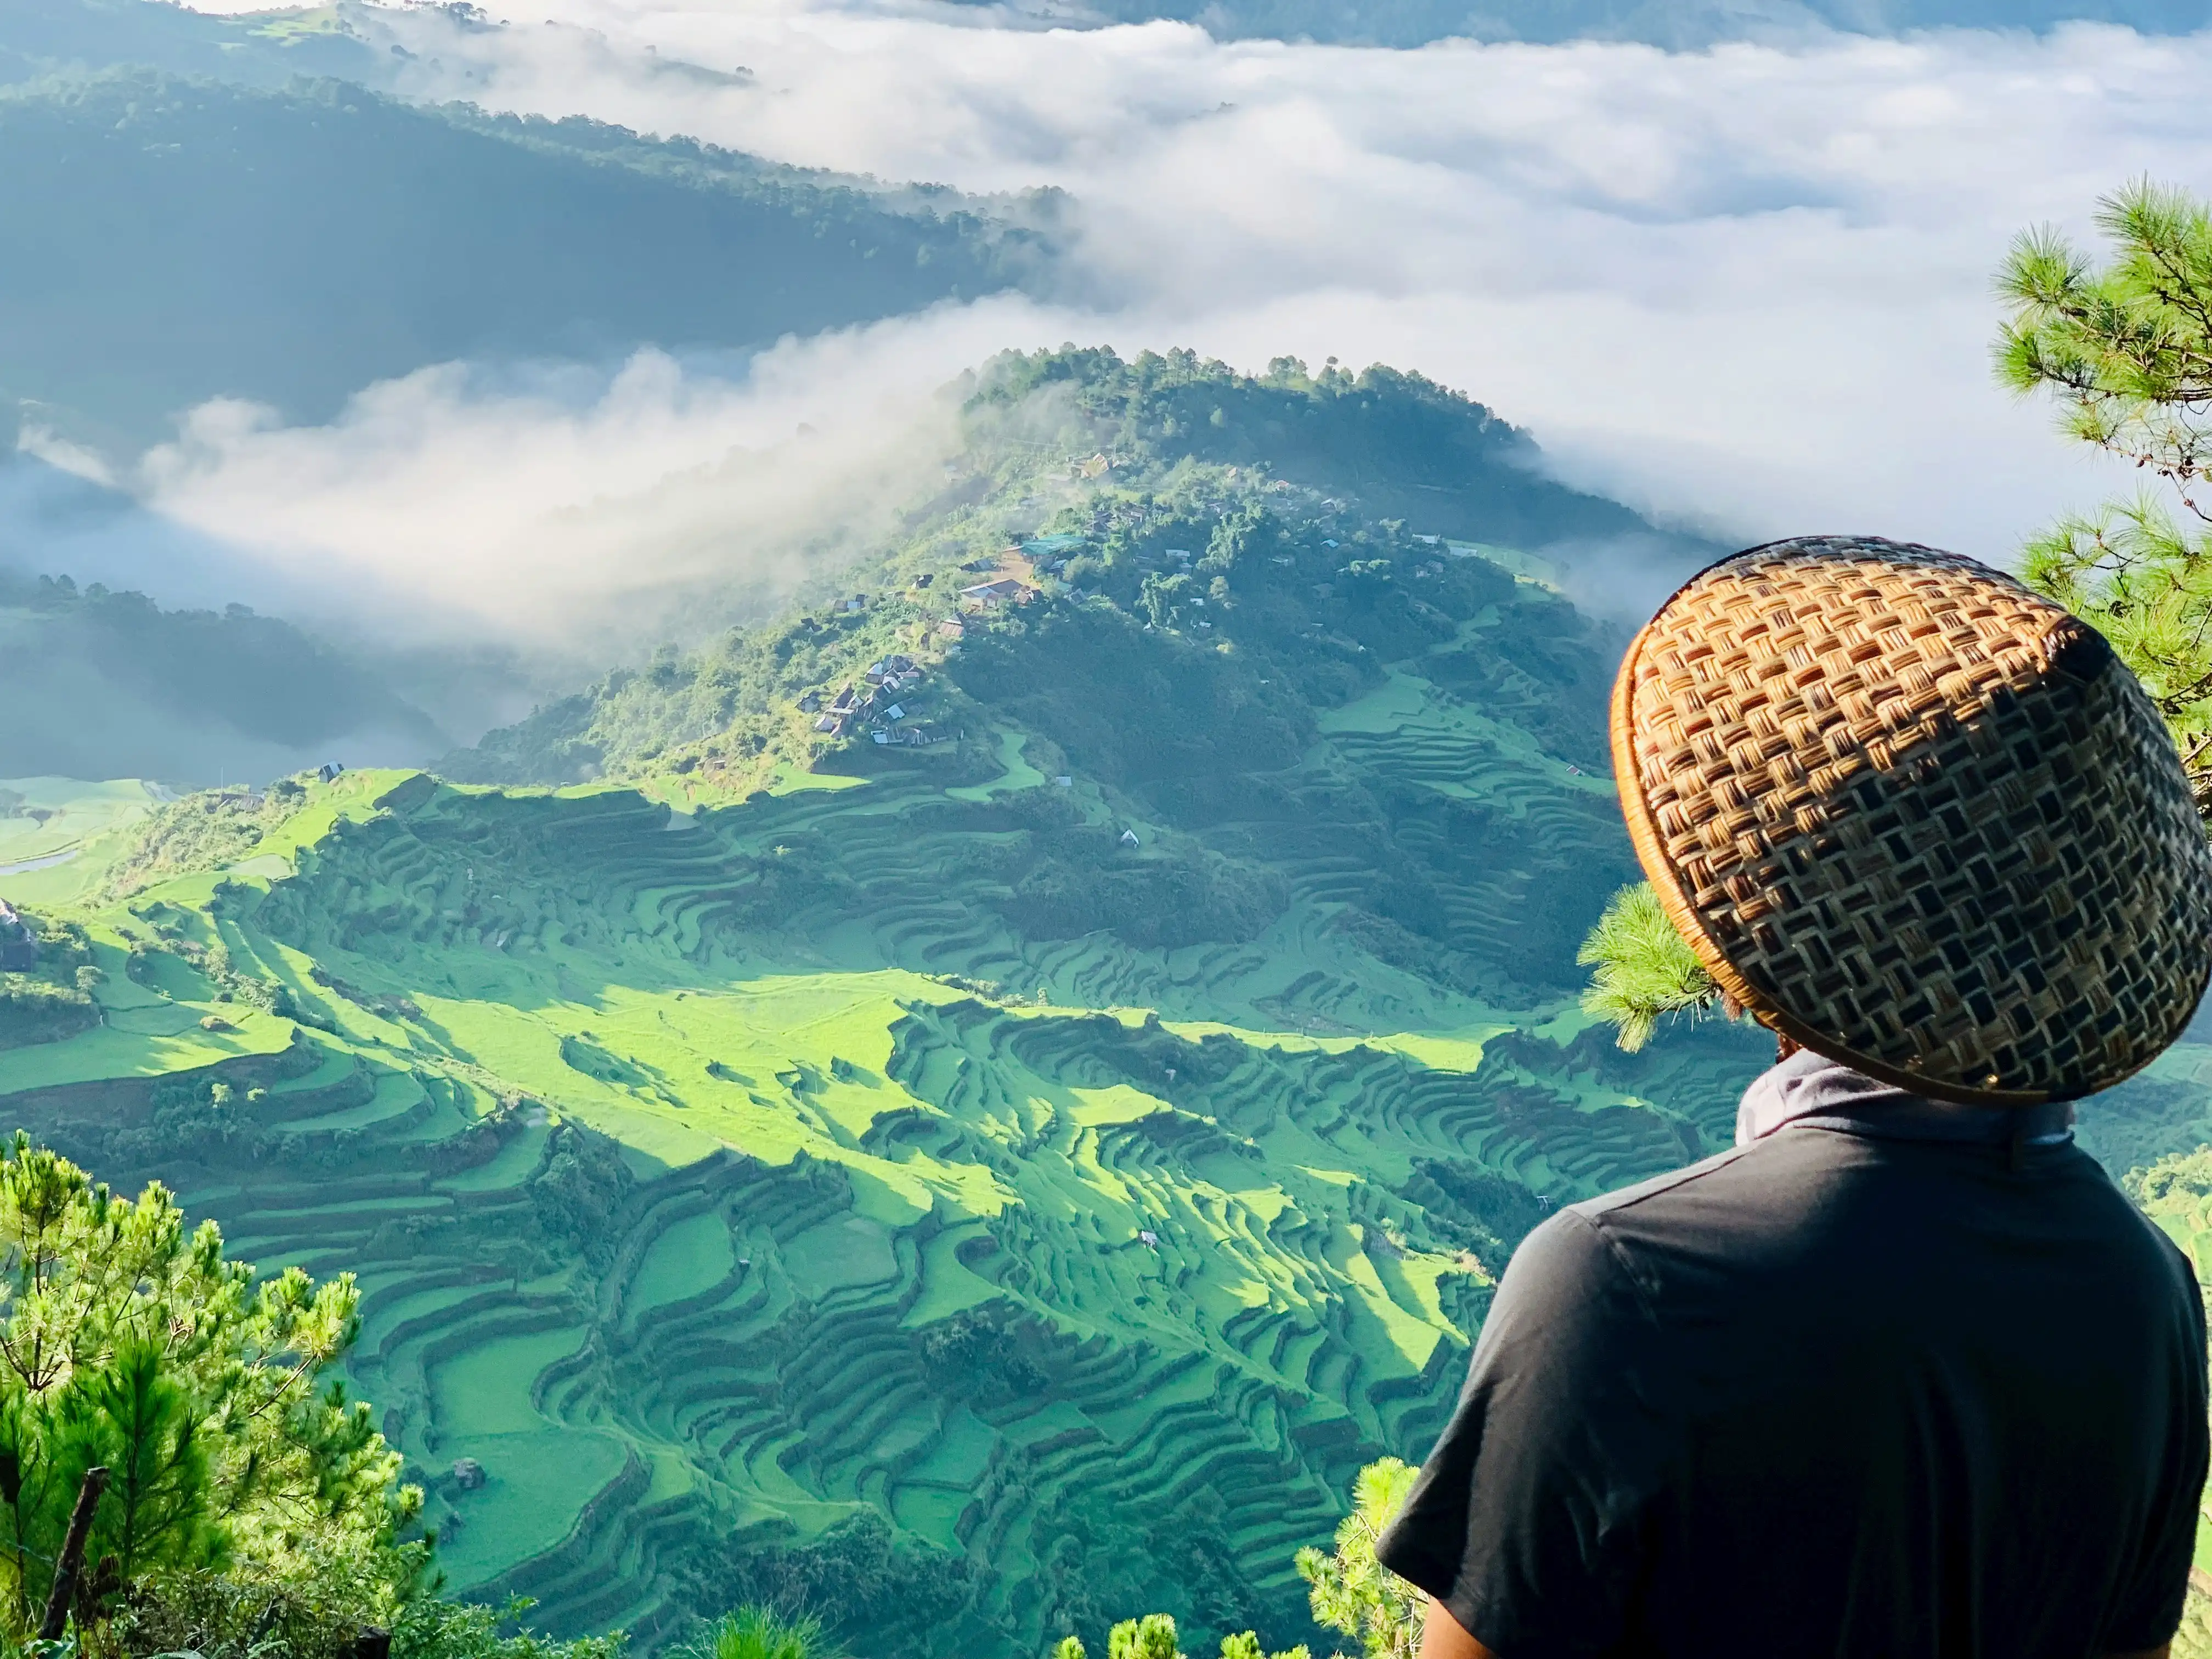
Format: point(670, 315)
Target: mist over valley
point(865, 741)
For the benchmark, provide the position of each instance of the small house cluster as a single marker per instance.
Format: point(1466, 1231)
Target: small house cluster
point(872, 699)
point(1003, 590)
point(19, 950)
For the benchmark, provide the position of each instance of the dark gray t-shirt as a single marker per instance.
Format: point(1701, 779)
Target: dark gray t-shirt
point(1849, 1390)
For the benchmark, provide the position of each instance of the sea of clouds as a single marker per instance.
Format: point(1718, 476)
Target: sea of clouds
point(1747, 289)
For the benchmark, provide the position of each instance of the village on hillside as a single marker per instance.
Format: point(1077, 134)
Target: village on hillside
point(883, 704)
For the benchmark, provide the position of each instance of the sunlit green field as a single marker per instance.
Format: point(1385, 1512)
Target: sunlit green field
point(826, 1146)
point(718, 1173)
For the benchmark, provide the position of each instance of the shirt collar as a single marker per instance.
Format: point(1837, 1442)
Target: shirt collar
point(1814, 1090)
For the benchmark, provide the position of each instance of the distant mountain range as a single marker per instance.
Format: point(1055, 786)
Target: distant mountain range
point(166, 237)
point(101, 685)
point(1675, 24)
point(342, 41)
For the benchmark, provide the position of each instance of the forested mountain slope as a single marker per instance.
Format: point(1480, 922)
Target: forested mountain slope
point(335, 40)
point(42, 37)
point(1321, 501)
point(987, 1182)
point(100, 684)
point(165, 241)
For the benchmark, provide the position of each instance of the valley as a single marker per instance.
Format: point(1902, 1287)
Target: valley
point(996, 1183)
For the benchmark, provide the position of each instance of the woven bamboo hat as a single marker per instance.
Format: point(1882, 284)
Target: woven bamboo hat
point(1917, 818)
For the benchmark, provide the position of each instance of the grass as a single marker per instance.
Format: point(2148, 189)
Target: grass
point(537, 1483)
point(871, 1235)
point(833, 1153)
point(485, 1388)
point(692, 1256)
point(1015, 772)
point(908, 1151)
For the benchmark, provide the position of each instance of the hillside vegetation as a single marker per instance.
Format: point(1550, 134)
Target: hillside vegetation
point(339, 40)
point(1311, 513)
point(166, 240)
point(101, 685)
point(44, 37)
point(983, 1189)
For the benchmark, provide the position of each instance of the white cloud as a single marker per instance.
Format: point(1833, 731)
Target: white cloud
point(574, 508)
point(1748, 285)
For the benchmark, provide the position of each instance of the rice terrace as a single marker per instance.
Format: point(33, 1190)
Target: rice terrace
point(991, 1094)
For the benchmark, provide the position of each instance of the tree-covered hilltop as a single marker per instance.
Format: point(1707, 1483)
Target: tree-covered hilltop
point(96, 683)
point(1193, 615)
point(43, 37)
point(1311, 512)
point(166, 240)
point(1403, 445)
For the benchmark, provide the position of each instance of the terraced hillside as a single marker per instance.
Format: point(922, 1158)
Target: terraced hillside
point(856, 1241)
point(985, 1186)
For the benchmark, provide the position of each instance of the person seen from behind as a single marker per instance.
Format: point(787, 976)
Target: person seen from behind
point(1903, 1375)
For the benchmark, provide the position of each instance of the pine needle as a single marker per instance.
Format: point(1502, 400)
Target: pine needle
point(1644, 969)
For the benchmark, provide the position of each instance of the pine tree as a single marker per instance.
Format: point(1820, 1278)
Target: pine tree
point(133, 1417)
point(128, 1343)
point(1354, 1593)
point(1153, 1636)
point(2126, 351)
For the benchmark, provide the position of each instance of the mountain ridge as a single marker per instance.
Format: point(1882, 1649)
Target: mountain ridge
point(210, 234)
point(1015, 1179)
point(1019, 1176)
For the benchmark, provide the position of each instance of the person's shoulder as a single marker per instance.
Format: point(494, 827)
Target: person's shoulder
point(1692, 1183)
point(1739, 1205)
point(1588, 1250)
point(1569, 1290)
point(2101, 1203)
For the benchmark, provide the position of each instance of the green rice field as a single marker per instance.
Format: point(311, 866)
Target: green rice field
point(1024, 1205)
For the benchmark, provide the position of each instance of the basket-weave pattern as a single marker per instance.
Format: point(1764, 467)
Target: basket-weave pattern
point(1918, 817)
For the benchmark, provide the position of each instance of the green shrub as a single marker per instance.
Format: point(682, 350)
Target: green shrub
point(428, 1628)
point(2180, 1173)
point(1153, 1636)
point(37, 1011)
point(761, 1633)
point(202, 831)
point(880, 1593)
